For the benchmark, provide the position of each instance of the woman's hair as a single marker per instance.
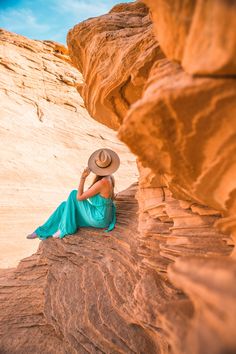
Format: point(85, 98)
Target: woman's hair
point(97, 178)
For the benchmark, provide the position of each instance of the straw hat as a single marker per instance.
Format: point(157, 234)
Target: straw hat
point(104, 162)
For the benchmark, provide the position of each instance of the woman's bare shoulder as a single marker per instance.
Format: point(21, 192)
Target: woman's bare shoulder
point(104, 180)
point(106, 187)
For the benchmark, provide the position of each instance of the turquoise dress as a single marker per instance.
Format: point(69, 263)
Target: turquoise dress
point(96, 211)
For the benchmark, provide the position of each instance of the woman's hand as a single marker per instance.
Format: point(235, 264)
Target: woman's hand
point(85, 172)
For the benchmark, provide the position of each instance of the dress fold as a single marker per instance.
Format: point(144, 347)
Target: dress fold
point(96, 211)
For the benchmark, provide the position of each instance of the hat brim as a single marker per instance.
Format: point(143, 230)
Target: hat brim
point(115, 163)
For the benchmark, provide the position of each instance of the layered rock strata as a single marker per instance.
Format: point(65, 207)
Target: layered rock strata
point(47, 136)
point(181, 249)
point(74, 295)
point(109, 90)
point(170, 92)
point(174, 112)
point(199, 34)
point(163, 281)
point(90, 293)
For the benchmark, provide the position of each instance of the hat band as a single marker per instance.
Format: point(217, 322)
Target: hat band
point(107, 165)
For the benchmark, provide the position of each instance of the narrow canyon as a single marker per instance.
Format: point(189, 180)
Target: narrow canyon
point(161, 75)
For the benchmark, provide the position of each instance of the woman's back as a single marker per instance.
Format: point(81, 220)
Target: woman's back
point(107, 187)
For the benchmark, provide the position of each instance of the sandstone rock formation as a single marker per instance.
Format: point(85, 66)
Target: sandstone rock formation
point(46, 138)
point(172, 98)
point(164, 280)
point(109, 90)
point(89, 293)
point(200, 34)
point(75, 295)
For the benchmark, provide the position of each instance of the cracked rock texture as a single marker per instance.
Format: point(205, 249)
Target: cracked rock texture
point(46, 138)
point(163, 281)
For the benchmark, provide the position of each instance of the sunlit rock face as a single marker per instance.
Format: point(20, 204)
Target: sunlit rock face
point(76, 295)
point(176, 112)
point(199, 34)
point(109, 90)
point(192, 124)
point(163, 281)
point(94, 293)
point(46, 139)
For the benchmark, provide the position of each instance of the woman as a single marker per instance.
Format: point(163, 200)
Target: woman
point(94, 207)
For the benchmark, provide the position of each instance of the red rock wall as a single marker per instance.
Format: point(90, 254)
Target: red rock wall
point(114, 80)
point(199, 34)
point(181, 126)
point(90, 293)
point(176, 112)
point(164, 279)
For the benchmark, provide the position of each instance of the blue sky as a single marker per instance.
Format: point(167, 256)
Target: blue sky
point(42, 19)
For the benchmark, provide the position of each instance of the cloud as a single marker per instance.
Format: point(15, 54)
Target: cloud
point(83, 9)
point(50, 19)
point(18, 20)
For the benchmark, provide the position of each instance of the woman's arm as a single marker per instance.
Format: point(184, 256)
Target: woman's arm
point(83, 177)
point(81, 187)
point(95, 189)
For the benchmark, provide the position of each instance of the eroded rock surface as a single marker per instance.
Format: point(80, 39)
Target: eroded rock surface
point(163, 281)
point(182, 127)
point(47, 136)
point(94, 292)
point(109, 90)
point(200, 34)
point(75, 295)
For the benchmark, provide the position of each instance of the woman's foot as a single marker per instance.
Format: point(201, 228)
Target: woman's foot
point(57, 234)
point(31, 236)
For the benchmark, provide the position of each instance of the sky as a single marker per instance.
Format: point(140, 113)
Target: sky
point(49, 19)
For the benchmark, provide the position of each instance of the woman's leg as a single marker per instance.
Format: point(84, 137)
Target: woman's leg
point(52, 223)
point(69, 219)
